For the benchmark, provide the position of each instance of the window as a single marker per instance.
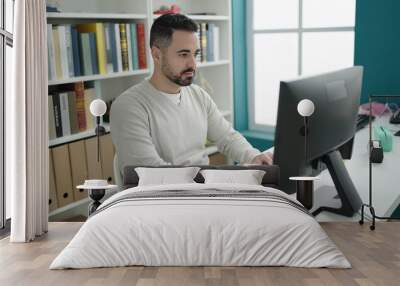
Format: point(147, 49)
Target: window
point(289, 38)
point(6, 43)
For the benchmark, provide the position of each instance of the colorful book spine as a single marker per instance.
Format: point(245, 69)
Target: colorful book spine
point(70, 56)
point(210, 42)
point(129, 42)
point(100, 45)
point(90, 95)
point(216, 42)
point(135, 59)
point(73, 118)
point(118, 46)
point(101, 48)
point(93, 53)
point(57, 55)
point(113, 47)
point(66, 128)
point(63, 51)
point(57, 114)
point(141, 46)
point(199, 55)
point(80, 105)
point(86, 59)
point(109, 56)
point(76, 51)
point(124, 47)
point(203, 27)
point(52, 125)
point(50, 48)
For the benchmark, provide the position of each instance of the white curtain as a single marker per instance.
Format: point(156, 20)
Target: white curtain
point(26, 124)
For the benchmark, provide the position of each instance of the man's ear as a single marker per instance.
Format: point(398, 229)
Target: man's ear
point(156, 54)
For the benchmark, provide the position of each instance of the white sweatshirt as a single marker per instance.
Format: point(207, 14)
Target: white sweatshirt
point(148, 128)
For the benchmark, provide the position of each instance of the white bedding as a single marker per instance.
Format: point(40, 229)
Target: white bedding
point(200, 231)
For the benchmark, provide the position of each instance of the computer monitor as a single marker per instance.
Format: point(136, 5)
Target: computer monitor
point(331, 129)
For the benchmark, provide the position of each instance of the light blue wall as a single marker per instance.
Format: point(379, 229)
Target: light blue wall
point(377, 48)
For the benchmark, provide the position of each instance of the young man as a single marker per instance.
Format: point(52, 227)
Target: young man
point(166, 119)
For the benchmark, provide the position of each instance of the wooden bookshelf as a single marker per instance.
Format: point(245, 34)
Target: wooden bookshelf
point(214, 63)
point(204, 18)
point(77, 136)
point(99, 77)
point(96, 16)
point(217, 74)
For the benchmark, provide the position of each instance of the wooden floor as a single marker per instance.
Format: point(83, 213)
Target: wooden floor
point(374, 255)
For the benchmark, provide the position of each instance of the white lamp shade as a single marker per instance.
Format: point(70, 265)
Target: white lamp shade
point(305, 107)
point(98, 107)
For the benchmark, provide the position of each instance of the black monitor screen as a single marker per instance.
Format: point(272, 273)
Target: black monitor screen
point(336, 97)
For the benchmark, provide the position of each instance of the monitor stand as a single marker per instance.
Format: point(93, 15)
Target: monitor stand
point(347, 193)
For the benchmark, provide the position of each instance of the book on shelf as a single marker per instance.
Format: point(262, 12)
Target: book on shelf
point(65, 124)
point(75, 51)
point(86, 57)
point(141, 44)
point(50, 49)
point(79, 90)
point(118, 46)
point(95, 48)
point(52, 125)
point(57, 114)
point(56, 54)
point(98, 45)
point(108, 47)
point(203, 41)
point(69, 110)
point(124, 47)
point(68, 46)
point(93, 53)
point(90, 95)
point(63, 50)
point(73, 118)
point(208, 41)
point(113, 46)
point(129, 45)
point(134, 46)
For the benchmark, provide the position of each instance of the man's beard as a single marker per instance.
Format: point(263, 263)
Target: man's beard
point(178, 79)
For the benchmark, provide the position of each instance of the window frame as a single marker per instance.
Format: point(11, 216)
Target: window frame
point(250, 32)
point(6, 39)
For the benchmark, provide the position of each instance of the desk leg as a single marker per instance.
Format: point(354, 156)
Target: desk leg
point(305, 193)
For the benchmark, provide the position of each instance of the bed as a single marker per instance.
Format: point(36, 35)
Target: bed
point(201, 224)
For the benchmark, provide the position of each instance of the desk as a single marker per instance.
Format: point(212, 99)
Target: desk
point(385, 177)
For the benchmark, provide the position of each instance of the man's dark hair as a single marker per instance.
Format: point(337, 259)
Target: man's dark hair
point(165, 25)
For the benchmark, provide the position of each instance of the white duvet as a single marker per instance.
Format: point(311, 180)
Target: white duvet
point(200, 231)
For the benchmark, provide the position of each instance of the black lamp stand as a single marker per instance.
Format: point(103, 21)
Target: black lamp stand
point(100, 130)
point(369, 205)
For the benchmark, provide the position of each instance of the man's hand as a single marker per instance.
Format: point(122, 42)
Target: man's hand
point(263, 159)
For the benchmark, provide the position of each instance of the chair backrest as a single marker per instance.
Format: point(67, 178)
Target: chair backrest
point(117, 173)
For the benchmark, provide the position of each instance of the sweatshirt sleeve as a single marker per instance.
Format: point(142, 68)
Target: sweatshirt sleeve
point(130, 132)
point(229, 141)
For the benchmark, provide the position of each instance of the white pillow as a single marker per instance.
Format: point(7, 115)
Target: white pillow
point(163, 176)
point(248, 177)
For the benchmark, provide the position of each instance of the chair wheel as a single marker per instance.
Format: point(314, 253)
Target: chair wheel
point(361, 222)
point(372, 227)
